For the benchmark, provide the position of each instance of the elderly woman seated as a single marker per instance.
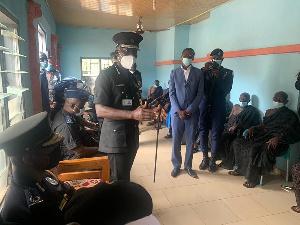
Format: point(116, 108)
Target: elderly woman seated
point(255, 153)
point(242, 117)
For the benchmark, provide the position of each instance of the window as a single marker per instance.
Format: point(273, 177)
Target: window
point(41, 39)
point(90, 69)
point(11, 100)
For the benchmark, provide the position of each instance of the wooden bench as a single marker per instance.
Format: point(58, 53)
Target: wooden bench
point(85, 168)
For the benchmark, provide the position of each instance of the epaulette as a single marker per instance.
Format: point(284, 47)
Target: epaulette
point(68, 119)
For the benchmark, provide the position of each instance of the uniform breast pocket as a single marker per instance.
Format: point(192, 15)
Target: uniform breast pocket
point(115, 135)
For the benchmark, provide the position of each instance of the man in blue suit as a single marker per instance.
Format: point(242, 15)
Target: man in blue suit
point(186, 89)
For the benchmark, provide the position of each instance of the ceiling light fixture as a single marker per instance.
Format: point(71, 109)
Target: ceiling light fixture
point(154, 4)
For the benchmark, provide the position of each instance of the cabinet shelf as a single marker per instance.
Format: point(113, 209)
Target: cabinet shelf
point(11, 71)
point(4, 48)
point(14, 54)
point(3, 26)
point(16, 90)
point(4, 95)
point(10, 34)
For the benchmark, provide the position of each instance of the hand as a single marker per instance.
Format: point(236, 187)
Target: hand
point(272, 143)
point(233, 128)
point(163, 114)
point(187, 114)
point(206, 66)
point(249, 133)
point(143, 114)
point(181, 114)
point(215, 72)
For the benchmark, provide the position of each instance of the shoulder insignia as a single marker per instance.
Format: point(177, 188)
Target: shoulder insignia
point(68, 119)
point(51, 181)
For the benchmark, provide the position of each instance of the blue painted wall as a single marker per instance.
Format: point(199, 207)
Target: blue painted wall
point(91, 42)
point(244, 24)
point(18, 8)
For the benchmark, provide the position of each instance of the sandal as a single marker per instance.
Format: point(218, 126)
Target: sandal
point(296, 209)
point(287, 188)
point(150, 124)
point(168, 136)
point(248, 184)
point(233, 173)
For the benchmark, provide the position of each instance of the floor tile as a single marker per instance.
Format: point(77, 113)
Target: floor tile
point(183, 215)
point(182, 196)
point(287, 218)
point(161, 181)
point(159, 200)
point(139, 170)
point(212, 191)
point(215, 213)
point(255, 221)
point(273, 201)
point(246, 207)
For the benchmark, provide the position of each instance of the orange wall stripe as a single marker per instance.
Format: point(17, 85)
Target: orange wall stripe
point(243, 53)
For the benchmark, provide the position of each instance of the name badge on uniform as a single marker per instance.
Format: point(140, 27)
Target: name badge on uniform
point(126, 102)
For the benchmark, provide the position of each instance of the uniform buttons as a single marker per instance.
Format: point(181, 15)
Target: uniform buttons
point(114, 130)
point(122, 92)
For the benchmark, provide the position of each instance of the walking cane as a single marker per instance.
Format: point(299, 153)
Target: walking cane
point(158, 126)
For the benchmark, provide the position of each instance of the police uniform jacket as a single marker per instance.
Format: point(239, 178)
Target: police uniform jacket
point(216, 89)
point(116, 90)
point(30, 202)
point(73, 132)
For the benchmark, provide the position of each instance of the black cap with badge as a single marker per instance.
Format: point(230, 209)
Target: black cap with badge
point(28, 136)
point(217, 52)
point(77, 93)
point(127, 39)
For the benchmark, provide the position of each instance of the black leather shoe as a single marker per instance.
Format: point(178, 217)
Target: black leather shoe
point(191, 173)
point(204, 164)
point(212, 167)
point(175, 172)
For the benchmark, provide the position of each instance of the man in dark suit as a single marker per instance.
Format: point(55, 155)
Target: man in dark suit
point(186, 89)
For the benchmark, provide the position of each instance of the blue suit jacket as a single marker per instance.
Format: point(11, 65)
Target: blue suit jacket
point(186, 94)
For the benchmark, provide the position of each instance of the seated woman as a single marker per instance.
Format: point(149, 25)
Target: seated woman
point(255, 154)
point(296, 183)
point(242, 117)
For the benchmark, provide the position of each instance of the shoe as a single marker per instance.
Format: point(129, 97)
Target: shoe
point(175, 172)
point(212, 166)
point(183, 143)
point(150, 124)
point(191, 173)
point(168, 136)
point(204, 163)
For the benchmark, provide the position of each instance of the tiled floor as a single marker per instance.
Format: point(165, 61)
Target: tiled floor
point(214, 198)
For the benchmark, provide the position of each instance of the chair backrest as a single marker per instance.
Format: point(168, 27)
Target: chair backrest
point(85, 168)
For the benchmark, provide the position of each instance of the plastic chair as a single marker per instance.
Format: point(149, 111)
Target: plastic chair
point(287, 156)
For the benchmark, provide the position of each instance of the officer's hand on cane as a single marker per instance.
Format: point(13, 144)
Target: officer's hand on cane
point(143, 114)
point(163, 115)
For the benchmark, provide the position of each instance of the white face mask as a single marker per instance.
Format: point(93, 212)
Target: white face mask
point(81, 112)
point(187, 61)
point(219, 61)
point(277, 104)
point(127, 61)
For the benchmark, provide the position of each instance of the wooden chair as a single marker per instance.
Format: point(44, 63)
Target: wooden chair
point(85, 168)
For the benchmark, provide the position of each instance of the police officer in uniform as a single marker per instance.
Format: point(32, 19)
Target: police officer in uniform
point(218, 83)
point(117, 102)
point(77, 143)
point(36, 197)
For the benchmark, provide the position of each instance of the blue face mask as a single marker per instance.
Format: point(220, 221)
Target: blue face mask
point(243, 104)
point(44, 65)
point(187, 61)
point(49, 67)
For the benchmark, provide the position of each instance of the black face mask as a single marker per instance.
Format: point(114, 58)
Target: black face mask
point(54, 157)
